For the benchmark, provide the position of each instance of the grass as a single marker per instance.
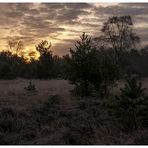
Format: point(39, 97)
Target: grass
point(51, 115)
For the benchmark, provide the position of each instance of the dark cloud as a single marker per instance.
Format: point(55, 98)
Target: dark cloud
point(79, 5)
point(63, 23)
point(123, 9)
point(70, 14)
point(62, 48)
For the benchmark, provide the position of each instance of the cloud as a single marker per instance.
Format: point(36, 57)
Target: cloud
point(122, 9)
point(62, 23)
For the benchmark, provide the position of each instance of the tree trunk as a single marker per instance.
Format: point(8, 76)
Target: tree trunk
point(134, 120)
point(105, 89)
point(85, 87)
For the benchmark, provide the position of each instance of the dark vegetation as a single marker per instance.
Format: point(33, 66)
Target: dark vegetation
point(30, 87)
point(95, 115)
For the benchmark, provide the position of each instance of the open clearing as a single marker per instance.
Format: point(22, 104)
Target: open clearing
point(12, 91)
point(52, 115)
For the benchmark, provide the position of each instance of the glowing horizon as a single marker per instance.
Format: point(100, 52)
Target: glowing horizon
point(63, 23)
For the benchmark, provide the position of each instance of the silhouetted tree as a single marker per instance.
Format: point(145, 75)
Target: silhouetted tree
point(128, 106)
point(45, 66)
point(83, 65)
point(15, 46)
point(10, 65)
point(58, 67)
point(43, 47)
point(119, 35)
point(109, 72)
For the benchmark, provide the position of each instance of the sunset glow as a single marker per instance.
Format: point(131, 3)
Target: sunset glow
point(62, 24)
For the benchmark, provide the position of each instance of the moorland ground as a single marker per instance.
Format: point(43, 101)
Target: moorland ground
point(51, 114)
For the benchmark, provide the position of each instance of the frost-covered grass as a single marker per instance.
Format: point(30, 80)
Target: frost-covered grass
point(51, 115)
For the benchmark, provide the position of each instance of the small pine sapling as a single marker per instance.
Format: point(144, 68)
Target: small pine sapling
point(128, 105)
point(30, 87)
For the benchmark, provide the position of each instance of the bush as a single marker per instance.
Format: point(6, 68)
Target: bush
point(139, 137)
point(128, 106)
point(30, 87)
point(47, 112)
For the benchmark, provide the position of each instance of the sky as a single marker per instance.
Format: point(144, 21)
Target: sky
point(63, 23)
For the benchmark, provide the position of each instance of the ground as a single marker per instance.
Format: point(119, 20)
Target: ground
point(52, 115)
point(13, 92)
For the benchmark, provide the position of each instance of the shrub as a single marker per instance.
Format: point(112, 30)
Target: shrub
point(30, 87)
point(47, 112)
point(128, 106)
point(82, 65)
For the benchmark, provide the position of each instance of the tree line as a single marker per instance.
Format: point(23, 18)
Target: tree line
point(114, 52)
point(117, 45)
point(93, 66)
point(46, 67)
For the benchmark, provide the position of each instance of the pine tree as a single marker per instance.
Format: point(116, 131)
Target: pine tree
point(132, 101)
point(46, 62)
point(109, 73)
point(83, 66)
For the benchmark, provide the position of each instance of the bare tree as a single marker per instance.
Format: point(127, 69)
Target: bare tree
point(43, 47)
point(118, 34)
point(15, 46)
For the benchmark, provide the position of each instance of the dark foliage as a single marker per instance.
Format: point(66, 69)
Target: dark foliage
point(30, 87)
point(47, 67)
point(94, 69)
point(119, 35)
point(129, 106)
